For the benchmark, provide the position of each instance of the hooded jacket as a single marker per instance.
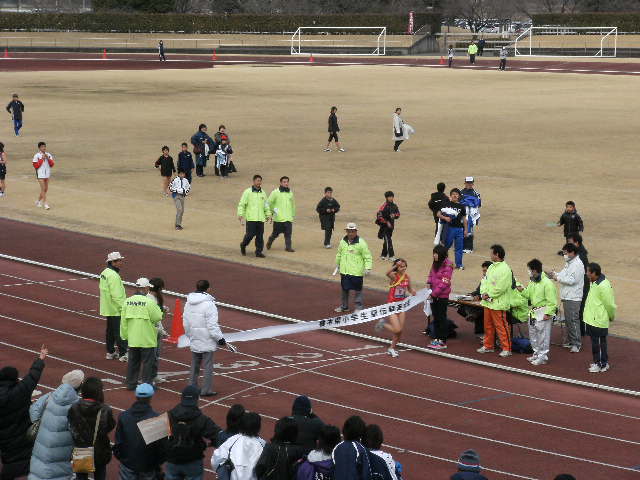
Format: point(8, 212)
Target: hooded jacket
point(15, 399)
point(200, 427)
point(351, 461)
point(600, 307)
point(283, 205)
point(318, 462)
point(309, 425)
point(200, 321)
point(51, 457)
point(280, 459)
point(82, 423)
point(244, 452)
point(253, 205)
point(327, 219)
point(440, 280)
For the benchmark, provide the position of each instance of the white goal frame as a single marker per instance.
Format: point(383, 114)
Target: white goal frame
point(523, 48)
point(378, 50)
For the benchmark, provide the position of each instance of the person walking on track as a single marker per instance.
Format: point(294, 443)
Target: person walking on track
point(353, 262)
point(161, 55)
point(333, 130)
point(43, 163)
point(15, 109)
point(253, 211)
point(495, 292)
point(200, 319)
point(599, 312)
point(283, 205)
point(112, 296)
point(139, 326)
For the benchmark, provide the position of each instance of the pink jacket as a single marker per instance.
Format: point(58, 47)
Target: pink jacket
point(440, 280)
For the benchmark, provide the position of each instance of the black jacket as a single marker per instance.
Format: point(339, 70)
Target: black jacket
point(185, 161)
point(327, 220)
point(15, 400)
point(167, 167)
point(333, 123)
point(130, 448)
point(16, 107)
point(309, 427)
point(572, 223)
point(200, 427)
point(388, 212)
point(277, 461)
point(436, 202)
point(82, 422)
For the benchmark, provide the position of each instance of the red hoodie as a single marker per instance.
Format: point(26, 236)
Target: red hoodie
point(440, 280)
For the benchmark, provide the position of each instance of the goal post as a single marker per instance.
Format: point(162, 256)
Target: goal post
point(556, 41)
point(339, 41)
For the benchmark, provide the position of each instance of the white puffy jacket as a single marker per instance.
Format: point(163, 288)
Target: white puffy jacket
point(200, 320)
point(571, 280)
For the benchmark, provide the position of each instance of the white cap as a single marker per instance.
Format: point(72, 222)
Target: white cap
point(73, 378)
point(143, 282)
point(351, 226)
point(114, 256)
point(468, 179)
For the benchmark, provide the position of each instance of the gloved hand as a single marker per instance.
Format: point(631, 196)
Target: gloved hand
point(222, 342)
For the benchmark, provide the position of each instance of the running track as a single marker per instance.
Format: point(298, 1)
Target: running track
point(430, 408)
point(39, 61)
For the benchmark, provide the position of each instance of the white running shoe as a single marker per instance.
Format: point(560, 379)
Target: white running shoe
point(111, 356)
point(384, 259)
point(327, 149)
point(605, 368)
point(341, 149)
point(357, 311)
point(1, 194)
point(574, 349)
point(539, 361)
point(38, 203)
point(467, 251)
point(327, 246)
point(594, 368)
point(505, 353)
point(531, 358)
point(124, 358)
point(46, 206)
point(340, 309)
point(484, 349)
point(394, 353)
point(379, 325)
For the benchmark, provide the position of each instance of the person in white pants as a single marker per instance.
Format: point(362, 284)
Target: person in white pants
point(541, 293)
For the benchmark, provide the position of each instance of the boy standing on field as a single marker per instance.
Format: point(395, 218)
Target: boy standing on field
point(571, 220)
point(179, 190)
point(167, 168)
point(333, 130)
point(327, 209)
point(15, 108)
point(185, 161)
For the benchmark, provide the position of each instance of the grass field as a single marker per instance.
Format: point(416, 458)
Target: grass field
point(532, 141)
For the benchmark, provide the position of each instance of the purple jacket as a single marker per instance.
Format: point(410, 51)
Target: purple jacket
point(440, 280)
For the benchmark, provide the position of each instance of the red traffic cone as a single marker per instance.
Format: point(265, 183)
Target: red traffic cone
point(104, 54)
point(6, 52)
point(214, 56)
point(177, 328)
point(441, 60)
point(311, 60)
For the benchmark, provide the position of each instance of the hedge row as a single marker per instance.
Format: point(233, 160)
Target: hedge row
point(137, 22)
point(626, 22)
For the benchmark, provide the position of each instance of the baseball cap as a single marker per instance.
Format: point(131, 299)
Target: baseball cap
point(468, 179)
point(144, 390)
point(114, 256)
point(190, 396)
point(143, 282)
point(351, 226)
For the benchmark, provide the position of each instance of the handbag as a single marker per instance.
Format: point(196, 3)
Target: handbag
point(225, 468)
point(32, 431)
point(82, 458)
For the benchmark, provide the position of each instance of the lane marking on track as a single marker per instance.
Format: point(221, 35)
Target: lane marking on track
point(484, 399)
point(572, 405)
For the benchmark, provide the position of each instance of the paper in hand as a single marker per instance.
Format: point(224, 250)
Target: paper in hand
point(335, 272)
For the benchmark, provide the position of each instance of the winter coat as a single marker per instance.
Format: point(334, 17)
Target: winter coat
point(600, 307)
point(280, 459)
point(542, 294)
point(351, 461)
point(130, 448)
point(333, 123)
point(283, 204)
point(571, 280)
point(15, 399)
point(51, 457)
point(244, 452)
point(139, 321)
point(200, 321)
point(497, 285)
point(398, 124)
point(436, 202)
point(388, 212)
point(253, 205)
point(572, 223)
point(440, 280)
point(353, 258)
point(200, 427)
point(309, 427)
point(318, 462)
point(327, 220)
point(82, 423)
point(388, 459)
point(112, 294)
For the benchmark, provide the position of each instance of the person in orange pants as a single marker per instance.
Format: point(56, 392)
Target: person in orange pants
point(495, 292)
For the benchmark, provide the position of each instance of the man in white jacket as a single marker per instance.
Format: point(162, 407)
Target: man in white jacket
point(200, 320)
point(571, 280)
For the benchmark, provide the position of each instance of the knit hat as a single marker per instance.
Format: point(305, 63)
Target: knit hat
point(565, 476)
point(144, 390)
point(190, 396)
point(9, 373)
point(73, 378)
point(301, 405)
point(469, 461)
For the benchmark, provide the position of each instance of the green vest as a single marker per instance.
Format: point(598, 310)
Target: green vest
point(139, 320)
point(353, 258)
point(112, 293)
point(253, 206)
point(283, 205)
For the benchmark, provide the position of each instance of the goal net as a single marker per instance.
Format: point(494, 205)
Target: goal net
point(567, 42)
point(339, 41)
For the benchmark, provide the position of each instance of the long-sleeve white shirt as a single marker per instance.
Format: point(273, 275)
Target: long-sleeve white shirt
point(571, 280)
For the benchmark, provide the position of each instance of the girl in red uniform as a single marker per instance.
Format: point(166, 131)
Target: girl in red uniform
point(399, 289)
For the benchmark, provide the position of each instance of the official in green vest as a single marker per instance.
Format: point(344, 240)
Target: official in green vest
point(253, 211)
point(283, 206)
point(599, 311)
point(139, 326)
point(353, 261)
point(112, 297)
point(472, 51)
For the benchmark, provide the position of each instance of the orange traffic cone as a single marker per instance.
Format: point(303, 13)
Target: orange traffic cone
point(177, 328)
point(311, 60)
point(214, 56)
point(104, 54)
point(6, 52)
point(441, 60)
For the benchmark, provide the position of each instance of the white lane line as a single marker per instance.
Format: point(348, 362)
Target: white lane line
point(555, 69)
point(387, 366)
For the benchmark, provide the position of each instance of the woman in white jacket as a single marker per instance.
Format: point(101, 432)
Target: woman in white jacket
point(200, 320)
point(242, 450)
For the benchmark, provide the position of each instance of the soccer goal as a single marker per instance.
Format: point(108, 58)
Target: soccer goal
point(567, 42)
point(339, 41)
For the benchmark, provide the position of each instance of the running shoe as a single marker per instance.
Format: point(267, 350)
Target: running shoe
point(341, 149)
point(467, 251)
point(179, 227)
point(505, 353)
point(531, 358)
point(384, 259)
point(434, 344)
point(605, 368)
point(394, 353)
point(46, 206)
point(111, 356)
point(539, 361)
point(442, 345)
point(124, 358)
point(340, 309)
point(566, 345)
point(574, 349)
point(484, 349)
point(327, 246)
point(38, 203)
point(379, 325)
point(243, 250)
point(595, 368)
point(327, 149)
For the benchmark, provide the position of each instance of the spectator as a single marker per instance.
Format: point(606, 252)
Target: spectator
point(353, 261)
point(84, 416)
point(571, 280)
point(279, 457)
point(15, 399)
point(139, 327)
point(599, 311)
point(541, 293)
point(138, 461)
point(386, 217)
point(51, 457)
point(504, 53)
point(186, 444)
point(15, 109)
point(155, 294)
point(576, 239)
point(167, 169)
point(180, 188)
point(475, 314)
point(439, 282)
point(571, 220)
point(350, 457)
point(200, 319)
point(185, 162)
point(470, 199)
point(243, 450)
point(253, 209)
point(327, 209)
point(43, 162)
point(373, 440)
point(495, 293)
point(454, 214)
point(472, 51)
point(333, 130)
point(202, 143)
point(469, 467)
point(318, 465)
point(481, 44)
point(234, 416)
point(223, 152)
point(309, 425)
point(3, 170)
point(161, 54)
point(437, 201)
point(112, 297)
point(283, 205)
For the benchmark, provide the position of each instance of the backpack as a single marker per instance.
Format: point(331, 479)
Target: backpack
point(378, 467)
point(182, 441)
